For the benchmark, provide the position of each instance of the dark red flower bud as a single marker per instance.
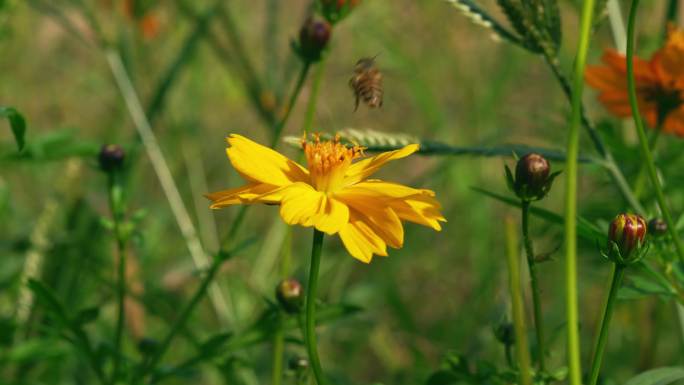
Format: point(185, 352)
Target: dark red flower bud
point(657, 227)
point(290, 295)
point(313, 38)
point(111, 157)
point(627, 232)
point(533, 177)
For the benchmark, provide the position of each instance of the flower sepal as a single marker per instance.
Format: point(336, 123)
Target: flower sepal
point(614, 254)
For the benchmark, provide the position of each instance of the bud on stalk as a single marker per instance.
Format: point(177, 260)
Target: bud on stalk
point(313, 39)
point(626, 238)
point(111, 157)
point(533, 177)
point(290, 295)
point(657, 227)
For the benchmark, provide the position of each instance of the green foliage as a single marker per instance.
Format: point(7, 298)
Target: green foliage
point(17, 124)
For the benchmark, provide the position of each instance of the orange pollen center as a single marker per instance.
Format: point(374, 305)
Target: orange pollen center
point(328, 161)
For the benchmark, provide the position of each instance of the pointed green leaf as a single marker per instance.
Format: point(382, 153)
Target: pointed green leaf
point(660, 376)
point(17, 124)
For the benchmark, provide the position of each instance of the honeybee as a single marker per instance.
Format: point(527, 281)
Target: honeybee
point(367, 83)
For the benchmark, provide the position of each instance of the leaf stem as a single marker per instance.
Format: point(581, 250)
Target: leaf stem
point(278, 129)
point(573, 338)
point(646, 155)
point(521, 348)
point(310, 327)
point(616, 279)
point(534, 284)
point(313, 97)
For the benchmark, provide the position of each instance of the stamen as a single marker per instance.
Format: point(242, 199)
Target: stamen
point(328, 160)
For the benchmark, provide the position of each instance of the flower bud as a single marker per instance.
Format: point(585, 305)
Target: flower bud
point(111, 157)
point(290, 295)
point(297, 364)
point(505, 334)
point(313, 38)
point(626, 236)
point(148, 346)
point(533, 177)
point(657, 227)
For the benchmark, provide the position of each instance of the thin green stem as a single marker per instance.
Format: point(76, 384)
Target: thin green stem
point(534, 284)
point(616, 279)
point(573, 338)
point(310, 335)
point(640, 183)
point(646, 155)
point(116, 207)
point(278, 348)
point(181, 320)
point(608, 161)
point(521, 348)
point(278, 129)
point(313, 97)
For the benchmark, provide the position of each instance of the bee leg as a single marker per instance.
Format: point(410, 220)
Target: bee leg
point(356, 104)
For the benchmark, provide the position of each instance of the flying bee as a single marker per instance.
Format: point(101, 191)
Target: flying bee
point(367, 83)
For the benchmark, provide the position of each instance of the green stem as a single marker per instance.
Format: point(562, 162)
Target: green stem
point(313, 98)
point(310, 334)
point(278, 129)
point(521, 348)
point(116, 207)
point(616, 280)
point(181, 320)
point(278, 348)
point(646, 155)
point(534, 284)
point(574, 365)
point(640, 183)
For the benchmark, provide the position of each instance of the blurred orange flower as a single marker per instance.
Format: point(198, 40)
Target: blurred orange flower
point(659, 84)
point(146, 20)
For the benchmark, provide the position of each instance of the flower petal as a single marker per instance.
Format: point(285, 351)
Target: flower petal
point(248, 194)
point(413, 205)
point(258, 163)
point(375, 212)
point(360, 240)
point(303, 205)
point(365, 168)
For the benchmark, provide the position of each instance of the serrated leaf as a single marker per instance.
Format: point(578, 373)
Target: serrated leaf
point(17, 124)
point(660, 376)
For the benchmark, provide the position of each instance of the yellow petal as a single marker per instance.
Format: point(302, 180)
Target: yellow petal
point(251, 193)
point(258, 163)
point(361, 241)
point(376, 213)
point(365, 168)
point(303, 205)
point(414, 205)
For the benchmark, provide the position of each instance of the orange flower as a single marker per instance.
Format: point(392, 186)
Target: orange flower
point(659, 84)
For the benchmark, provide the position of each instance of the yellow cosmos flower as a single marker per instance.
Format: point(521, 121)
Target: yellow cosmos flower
point(334, 194)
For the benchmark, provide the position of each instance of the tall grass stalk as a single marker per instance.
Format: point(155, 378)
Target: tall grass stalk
point(164, 175)
point(646, 154)
point(573, 338)
point(522, 351)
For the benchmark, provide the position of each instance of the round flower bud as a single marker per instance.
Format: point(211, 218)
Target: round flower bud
point(657, 227)
point(505, 333)
point(313, 38)
point(627, 232)
point(532, 170)
point(147, 346)
point(111, 157)
point(290, 295)
point(297, 364)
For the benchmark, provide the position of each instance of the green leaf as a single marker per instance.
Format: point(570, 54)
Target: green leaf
point(17, 124)
point(87, 315)
point(585, 229)
point(45, 296)
point(659, 376)
point(444, 377)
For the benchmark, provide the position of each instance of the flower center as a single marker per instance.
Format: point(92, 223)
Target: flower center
point(328, 161)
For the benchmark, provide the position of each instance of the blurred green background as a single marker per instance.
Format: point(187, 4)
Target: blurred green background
point(445, 80)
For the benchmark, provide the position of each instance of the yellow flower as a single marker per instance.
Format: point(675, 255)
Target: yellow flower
point(333, 194)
